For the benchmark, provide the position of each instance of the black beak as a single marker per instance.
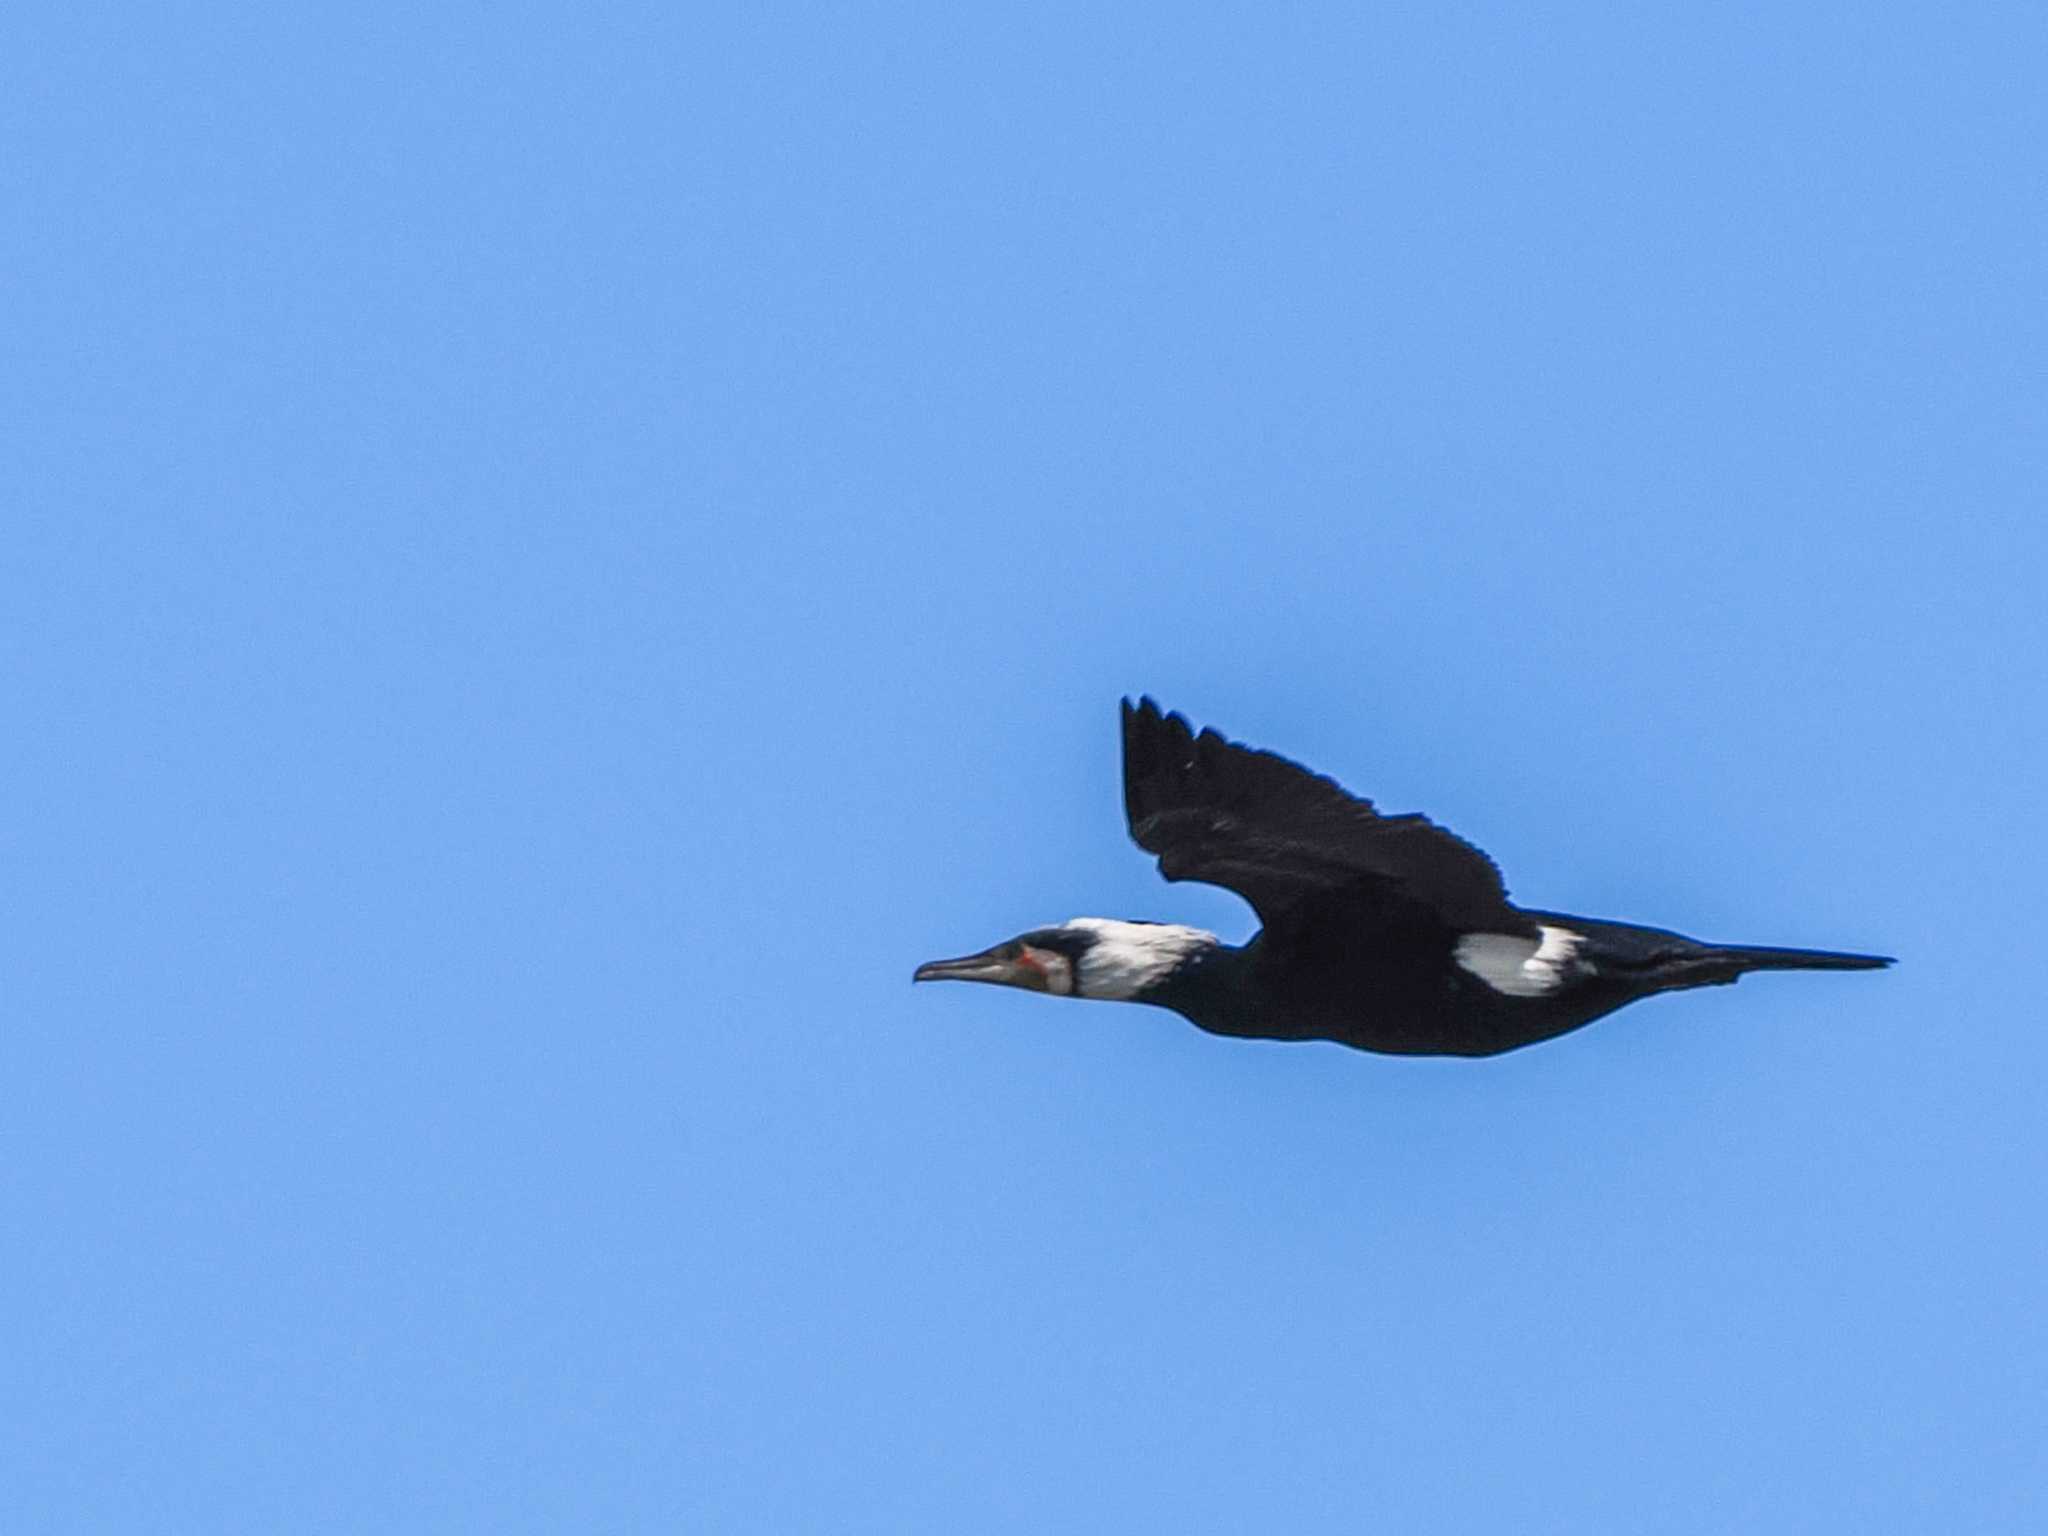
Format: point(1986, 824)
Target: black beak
point(989, 965)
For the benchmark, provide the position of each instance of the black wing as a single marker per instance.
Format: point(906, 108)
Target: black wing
point(1281, 836)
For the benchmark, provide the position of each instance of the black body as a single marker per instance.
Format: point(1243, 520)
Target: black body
point(1363, 914)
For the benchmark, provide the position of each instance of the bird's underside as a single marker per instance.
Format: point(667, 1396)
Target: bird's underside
point(1410, 989)
point(1387, 933)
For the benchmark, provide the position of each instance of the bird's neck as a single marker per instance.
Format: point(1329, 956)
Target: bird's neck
point(1212, 989)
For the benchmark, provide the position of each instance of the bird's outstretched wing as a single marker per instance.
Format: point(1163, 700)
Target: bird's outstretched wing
point(1284, 838)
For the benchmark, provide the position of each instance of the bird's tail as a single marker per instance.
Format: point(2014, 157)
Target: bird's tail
point(1715, 965)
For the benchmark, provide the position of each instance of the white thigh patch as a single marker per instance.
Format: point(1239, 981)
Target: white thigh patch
point(1520, 967)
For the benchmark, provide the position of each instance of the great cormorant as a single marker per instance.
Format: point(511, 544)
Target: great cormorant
point(1387, 933)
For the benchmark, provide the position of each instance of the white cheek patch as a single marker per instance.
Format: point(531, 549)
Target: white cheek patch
point(1126, 958)
point(1521, 967)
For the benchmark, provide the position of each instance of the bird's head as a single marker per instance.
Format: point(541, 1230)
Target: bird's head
point(1082, 957)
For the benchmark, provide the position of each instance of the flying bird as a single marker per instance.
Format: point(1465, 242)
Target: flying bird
point(1386, 933)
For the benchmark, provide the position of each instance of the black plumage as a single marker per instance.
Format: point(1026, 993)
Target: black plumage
point(1387, 933)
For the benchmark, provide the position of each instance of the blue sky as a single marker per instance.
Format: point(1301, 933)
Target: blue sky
point(553, 554)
